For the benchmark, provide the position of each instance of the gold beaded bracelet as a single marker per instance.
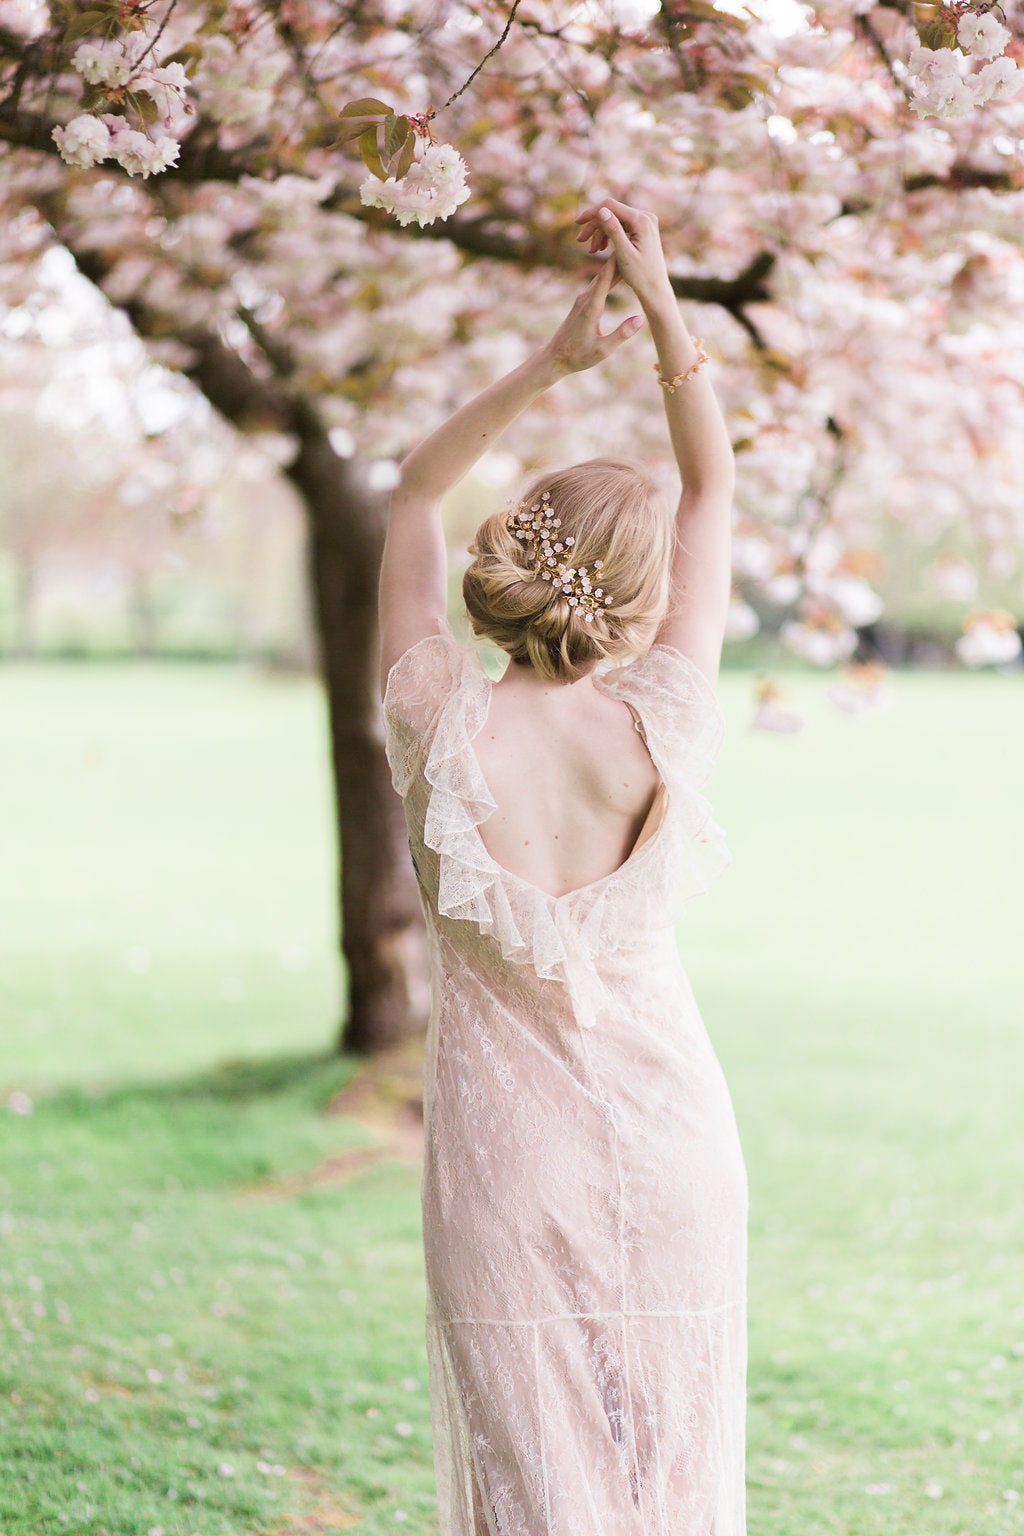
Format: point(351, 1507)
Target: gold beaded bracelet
point(672, 384)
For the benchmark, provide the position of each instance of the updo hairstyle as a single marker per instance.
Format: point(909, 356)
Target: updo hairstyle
point(614, 514)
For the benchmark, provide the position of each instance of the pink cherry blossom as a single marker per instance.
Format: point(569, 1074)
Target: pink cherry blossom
point(166, 86)
point(996, 82)
point(142, 156)
point(85, 141)
point(982, 36)
point(432, 188)
point(989, 639)
point(820, 642)
point(102, 63)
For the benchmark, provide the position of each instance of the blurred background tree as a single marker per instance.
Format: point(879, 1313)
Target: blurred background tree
point(840, 191)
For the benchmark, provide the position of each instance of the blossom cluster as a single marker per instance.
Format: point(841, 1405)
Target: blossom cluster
point(941, 85)
point(87, 140)
point(122, 68)
point(432, 188)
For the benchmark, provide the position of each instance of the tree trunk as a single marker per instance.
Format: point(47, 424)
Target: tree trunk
point(382, 938)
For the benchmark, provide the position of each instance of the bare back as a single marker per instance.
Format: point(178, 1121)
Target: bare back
point(575, 786)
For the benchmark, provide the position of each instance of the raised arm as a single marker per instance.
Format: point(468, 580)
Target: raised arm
point(414, 572)
point(701, 573)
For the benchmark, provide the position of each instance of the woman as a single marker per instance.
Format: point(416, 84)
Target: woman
point(584, 1195)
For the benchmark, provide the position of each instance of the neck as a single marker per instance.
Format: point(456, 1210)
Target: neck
point(523, 673)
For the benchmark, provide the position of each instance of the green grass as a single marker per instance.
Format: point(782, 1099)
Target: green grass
point(189, 1345)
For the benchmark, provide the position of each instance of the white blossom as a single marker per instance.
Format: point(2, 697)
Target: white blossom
point(101, 64)
point(142, 156)
point(84, 141)
point(953, 578)
point(28, 18)
point(933, 63)
point(989, 640)
point(166, 86)
point(822, 645)
point(939, 89)
point(741, 622)
point(996, 81)
point(431, 189)
point(856, 599)
point(983, 37)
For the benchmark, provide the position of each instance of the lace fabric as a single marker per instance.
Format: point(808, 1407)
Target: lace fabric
point(584, 1195)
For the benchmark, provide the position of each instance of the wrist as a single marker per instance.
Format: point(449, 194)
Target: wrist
point(660, 305)
point(546, 366)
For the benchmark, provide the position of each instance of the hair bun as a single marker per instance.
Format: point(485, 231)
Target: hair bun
point(543, 575)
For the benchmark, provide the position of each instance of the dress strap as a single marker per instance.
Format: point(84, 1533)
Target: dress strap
point(638, 724)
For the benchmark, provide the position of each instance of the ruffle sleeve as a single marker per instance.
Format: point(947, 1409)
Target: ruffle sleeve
point(419, 685)
point(672, 692)
point(685, 727)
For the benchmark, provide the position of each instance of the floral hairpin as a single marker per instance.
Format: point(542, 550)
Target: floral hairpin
point(536, 526)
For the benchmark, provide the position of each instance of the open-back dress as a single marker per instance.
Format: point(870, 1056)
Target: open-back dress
point(584, 1193)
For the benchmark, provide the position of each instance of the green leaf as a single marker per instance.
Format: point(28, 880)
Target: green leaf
point(87, 21)
point(357, 116)
point(396, 131)
point(936, 34)
point(736, 97)
point(354, 128)
point(188, 54)
point(365, 106)
point(370, 152)
point(147, 109)
point(405, 158)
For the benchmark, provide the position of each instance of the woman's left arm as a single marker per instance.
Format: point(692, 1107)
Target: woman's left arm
point(414, 571)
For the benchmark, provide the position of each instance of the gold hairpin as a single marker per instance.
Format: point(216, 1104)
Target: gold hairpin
point(536, 526)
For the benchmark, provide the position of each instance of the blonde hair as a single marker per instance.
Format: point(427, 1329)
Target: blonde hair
point(615, 514)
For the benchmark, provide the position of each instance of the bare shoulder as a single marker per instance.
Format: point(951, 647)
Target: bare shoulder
point(577, 734)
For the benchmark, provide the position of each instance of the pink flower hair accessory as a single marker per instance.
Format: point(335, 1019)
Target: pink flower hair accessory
point(536, 527)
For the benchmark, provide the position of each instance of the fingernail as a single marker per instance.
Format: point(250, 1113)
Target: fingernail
point(604, 213)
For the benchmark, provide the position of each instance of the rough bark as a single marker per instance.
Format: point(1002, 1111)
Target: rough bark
point(381, 927)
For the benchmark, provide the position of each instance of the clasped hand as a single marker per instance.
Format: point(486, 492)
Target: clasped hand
point(636, 256)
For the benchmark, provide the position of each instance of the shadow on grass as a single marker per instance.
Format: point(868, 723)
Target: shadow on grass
point(309, 1079)
point(277, 1125)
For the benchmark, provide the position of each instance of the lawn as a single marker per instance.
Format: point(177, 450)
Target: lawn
point(211, 1290)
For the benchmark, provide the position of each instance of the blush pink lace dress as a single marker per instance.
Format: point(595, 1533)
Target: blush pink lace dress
point(584, 1192)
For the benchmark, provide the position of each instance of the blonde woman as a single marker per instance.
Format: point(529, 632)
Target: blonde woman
point(584, 1194)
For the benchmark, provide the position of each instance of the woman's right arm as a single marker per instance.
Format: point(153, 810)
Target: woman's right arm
point(695, 623)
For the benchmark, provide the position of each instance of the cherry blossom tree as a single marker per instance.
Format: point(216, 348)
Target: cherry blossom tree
point(337, 218)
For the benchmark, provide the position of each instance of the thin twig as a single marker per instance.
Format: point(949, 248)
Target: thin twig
point(158, 35)
point(488, 55)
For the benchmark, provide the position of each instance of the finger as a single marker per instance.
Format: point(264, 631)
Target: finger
point(616, 234)
point(627, 215)
point(621, 333)
point(589, 228)
point(604, 280)
point(594, 293)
